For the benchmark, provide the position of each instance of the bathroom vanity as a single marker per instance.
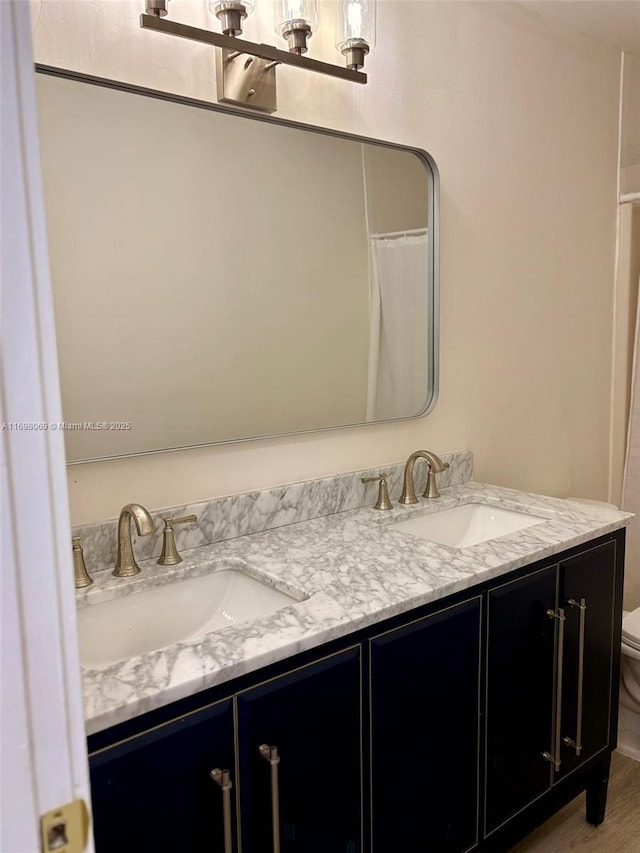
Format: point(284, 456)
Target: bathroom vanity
point(439, 677)
point(423, 696)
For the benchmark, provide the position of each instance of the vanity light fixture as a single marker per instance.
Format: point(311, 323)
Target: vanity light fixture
point(245, 70)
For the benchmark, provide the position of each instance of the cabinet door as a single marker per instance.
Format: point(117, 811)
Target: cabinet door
point(154, 791)
point(588, 580)
point(520, 693)
point(424, 733)
point(312, 716)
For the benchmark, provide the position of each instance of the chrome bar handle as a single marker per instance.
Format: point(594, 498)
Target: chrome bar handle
point(555, 758)
point(582, 606)
point(223, 780)
point(270, 754)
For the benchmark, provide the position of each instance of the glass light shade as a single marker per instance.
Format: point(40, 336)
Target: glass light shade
point(285, 12)
point(231, 13)
point(358, 23)
point(295, 20)
point(216, 5)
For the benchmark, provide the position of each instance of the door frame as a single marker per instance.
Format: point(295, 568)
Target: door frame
point(44, 754)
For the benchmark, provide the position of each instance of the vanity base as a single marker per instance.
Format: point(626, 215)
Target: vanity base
point(431, 718)
point(597, 792)
point(588, 780)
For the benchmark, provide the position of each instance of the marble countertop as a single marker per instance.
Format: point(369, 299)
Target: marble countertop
point(356, 570)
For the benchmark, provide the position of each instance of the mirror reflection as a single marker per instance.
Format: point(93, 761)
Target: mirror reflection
point(220, 277)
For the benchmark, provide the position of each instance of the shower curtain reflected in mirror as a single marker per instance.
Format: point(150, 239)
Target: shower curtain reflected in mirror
point(398, 345)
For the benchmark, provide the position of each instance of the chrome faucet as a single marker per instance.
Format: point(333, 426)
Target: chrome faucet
point(436, 466)
point(126, 565)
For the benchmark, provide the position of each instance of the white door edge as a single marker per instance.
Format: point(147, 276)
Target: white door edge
point(44, 757)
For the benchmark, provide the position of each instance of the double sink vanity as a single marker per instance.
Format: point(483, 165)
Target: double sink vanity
point(325, 676)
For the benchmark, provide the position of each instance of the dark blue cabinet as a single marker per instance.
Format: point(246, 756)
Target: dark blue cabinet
point(520, 673)
point(587, 590)
point(312, 718)
point(425, 706)
point(154, 791)
point(553, 642)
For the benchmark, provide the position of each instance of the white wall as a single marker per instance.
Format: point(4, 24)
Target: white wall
point(396, 199)
point(523, 123)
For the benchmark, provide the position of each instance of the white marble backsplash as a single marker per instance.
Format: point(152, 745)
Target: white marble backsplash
point(225, 518)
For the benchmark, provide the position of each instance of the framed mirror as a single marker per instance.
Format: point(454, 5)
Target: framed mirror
point(220, 276)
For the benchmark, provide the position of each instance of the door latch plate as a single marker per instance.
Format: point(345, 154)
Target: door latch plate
point(65, 829)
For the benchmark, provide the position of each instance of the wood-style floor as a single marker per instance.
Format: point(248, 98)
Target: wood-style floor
point(620, 832)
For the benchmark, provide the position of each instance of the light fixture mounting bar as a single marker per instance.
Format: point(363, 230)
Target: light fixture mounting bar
point(264, 51)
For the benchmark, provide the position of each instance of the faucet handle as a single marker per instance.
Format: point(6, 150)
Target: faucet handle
point(170, 555)
point(431, 490)
point(82, 577)
point(383, 501)
point(186, 519)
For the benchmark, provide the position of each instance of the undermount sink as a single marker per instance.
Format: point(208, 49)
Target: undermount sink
point(468, 524)
point(152, 619)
